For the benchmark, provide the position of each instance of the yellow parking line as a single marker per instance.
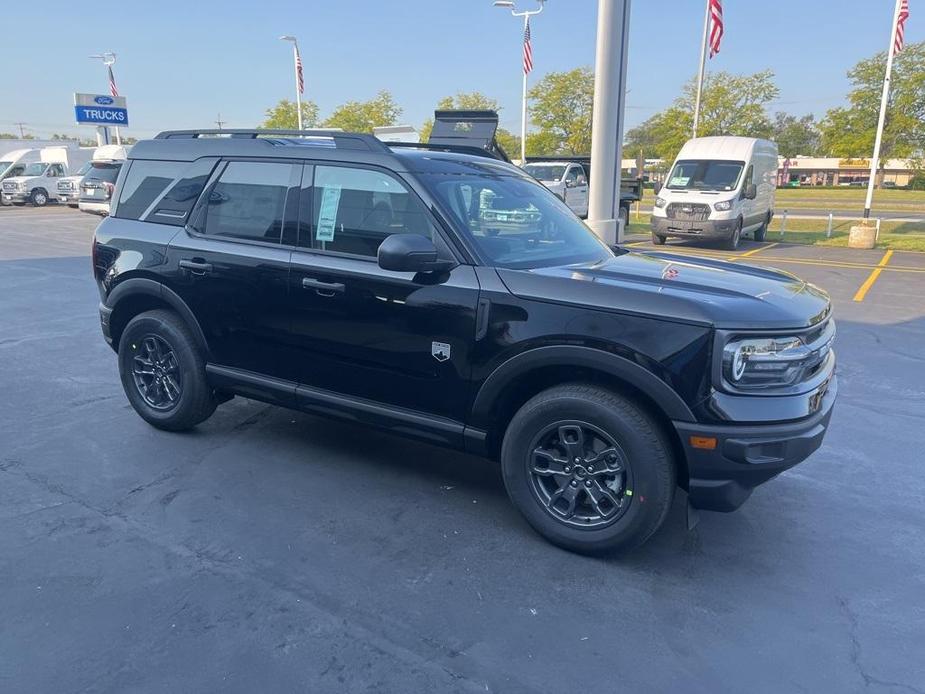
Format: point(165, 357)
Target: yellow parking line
point(875, 273)
point(758, 250)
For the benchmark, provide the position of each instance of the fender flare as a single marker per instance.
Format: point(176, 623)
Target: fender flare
point(573, 355)
point(141, 285)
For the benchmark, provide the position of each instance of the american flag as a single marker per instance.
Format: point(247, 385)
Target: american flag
point(716, 25)
point(113, 90)
point(298, 70)
point(528, 49)
point(901, 26)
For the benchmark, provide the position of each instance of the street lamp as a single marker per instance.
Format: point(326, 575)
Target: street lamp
point(526, 14)
point(299, 84)
point(109, 59)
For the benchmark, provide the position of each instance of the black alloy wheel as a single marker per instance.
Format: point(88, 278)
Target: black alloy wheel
point(580, 475)
point(157, 374)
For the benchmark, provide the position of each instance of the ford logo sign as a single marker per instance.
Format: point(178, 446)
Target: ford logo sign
point(103, 100)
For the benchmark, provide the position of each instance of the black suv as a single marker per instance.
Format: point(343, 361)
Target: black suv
point(450, 297)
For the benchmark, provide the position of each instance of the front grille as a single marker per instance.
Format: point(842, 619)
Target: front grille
point(688, 211)
point(9, 187)
point(66, 186)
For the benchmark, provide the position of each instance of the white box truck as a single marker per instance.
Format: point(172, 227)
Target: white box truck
point(38, 182)
point(719, 188)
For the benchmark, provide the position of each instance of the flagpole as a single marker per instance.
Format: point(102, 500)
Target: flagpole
point(298, 94)
point(523, 107)
point(703, 61)
point(884, 98)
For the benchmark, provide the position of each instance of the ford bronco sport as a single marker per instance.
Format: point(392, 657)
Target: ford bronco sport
point(333, 273)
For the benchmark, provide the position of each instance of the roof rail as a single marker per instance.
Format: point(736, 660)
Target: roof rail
point(438, 147)
point(340, 138)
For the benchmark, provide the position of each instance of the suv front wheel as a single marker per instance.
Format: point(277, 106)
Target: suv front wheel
point(589, 469)
point(163, 372)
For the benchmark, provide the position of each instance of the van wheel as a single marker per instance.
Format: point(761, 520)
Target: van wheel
point(732, 242)
point(589, 469)
point(163, 373)
point(39, 197)
point(762, 231)
point(657, 239)
point(624, 216)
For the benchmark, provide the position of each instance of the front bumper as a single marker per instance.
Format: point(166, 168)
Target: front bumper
point(20, 196)
point(706, 229)
point(745, 456)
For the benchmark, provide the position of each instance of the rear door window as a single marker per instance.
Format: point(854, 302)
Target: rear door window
point(249, 200)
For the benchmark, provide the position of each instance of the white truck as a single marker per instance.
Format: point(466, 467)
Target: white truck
point(38, 182)
point(69, 186)
point(567, 180)
point(719, 188)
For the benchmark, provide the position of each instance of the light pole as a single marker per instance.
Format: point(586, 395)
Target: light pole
point(299, 83)
point(109, 59)
point(613, 18)
point(526, 14)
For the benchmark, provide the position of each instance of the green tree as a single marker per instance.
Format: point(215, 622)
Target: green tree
point(643, 140)
point(849, 131)
point(796, 136)
point(284, 115)
point(363, 116)
point(730, 105)
point(561, 105)
point(543, 143)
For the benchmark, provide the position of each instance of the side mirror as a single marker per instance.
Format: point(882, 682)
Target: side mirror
point(656, 187)
point(411, 253)
point(569, 182)
point(751, 191)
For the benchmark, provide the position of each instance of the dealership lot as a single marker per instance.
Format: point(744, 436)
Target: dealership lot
point(272, 550)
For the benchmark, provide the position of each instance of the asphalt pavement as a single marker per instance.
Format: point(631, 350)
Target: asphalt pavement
point(274, 551)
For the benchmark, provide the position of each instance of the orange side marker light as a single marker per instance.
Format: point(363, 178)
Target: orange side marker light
point(707, 443)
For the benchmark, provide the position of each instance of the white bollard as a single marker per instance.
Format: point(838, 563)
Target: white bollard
point(877, 237)
point(828, 231)
point(783, 224)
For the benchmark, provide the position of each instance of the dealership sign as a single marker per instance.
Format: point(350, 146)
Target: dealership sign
point(100, 109)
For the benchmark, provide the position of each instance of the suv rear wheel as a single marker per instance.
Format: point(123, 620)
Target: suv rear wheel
point(163, 373)
point(589, 469)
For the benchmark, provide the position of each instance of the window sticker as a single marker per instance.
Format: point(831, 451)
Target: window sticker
point(679, 181)
point(330, 200)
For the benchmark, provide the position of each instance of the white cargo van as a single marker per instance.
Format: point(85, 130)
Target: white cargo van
point(38, 182)
point(719, 188)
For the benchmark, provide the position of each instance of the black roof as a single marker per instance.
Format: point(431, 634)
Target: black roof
point(333, 145)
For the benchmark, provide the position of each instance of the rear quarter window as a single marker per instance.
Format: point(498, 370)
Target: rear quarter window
point(163, 191)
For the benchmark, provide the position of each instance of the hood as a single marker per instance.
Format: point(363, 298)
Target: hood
point(682, 288)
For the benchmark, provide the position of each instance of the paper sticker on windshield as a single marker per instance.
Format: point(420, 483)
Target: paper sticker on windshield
point(330, 200)
point(679, 181)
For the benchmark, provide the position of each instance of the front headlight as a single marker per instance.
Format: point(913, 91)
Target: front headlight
point(660, 202)
point(769, 362)
point(723, 206)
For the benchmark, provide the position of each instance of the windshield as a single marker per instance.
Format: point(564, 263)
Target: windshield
point(36, 169)
point(104, 171)
point(4, 165)
point(545, 172)
point(84, 169)
point(705, 174)
point(516, 222)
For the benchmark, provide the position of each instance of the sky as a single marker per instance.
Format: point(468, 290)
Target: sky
point(180, 64)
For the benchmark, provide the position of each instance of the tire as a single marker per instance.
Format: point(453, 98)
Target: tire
point(643, 485)
point(732, 242)
point(761, 232)
point(183, 375)
point(39, 197)
point(657, 239)
point(624, 216)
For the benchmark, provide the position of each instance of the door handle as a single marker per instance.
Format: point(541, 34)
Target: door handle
point(323, 288)
point(196, 267)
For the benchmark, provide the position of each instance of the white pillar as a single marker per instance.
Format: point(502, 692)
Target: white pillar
point(613, 19)
point(523, 110)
